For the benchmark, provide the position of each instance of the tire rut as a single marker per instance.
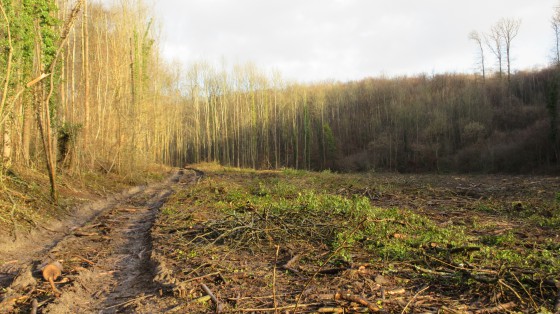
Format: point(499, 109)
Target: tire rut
point(107, 260)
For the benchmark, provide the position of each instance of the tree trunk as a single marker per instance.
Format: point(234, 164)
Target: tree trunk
point(85, 54)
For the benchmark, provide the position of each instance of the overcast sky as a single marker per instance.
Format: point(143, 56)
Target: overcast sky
point(315, 40)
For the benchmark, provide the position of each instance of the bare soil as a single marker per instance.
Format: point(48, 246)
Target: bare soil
point(105, 249)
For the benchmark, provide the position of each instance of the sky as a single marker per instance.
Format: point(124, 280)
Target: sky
point(322, 40)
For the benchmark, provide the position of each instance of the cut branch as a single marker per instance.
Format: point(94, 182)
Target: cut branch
point(557, 305)
point(356, 299)
point(500, 308)
point(213, 297)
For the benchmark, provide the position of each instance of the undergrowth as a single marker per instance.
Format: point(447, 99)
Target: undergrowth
point(256, 211)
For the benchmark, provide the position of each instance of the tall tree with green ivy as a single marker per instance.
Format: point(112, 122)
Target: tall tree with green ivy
point(37, 44)
point(30, 33)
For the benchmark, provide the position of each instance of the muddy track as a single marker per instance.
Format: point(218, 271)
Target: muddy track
point(107, 258)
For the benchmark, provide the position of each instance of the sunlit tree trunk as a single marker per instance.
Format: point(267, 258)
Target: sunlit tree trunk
point(86, 77)
point(5, 123)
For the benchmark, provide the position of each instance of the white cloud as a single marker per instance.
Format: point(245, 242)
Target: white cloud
point(348, 39)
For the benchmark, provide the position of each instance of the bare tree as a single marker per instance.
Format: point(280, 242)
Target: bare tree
point(555, 23)
point(494, 42)
point(508, 28)
point(499, 41)
point(474, 35)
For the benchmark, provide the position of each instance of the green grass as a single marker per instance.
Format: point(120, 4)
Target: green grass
point(387, 233)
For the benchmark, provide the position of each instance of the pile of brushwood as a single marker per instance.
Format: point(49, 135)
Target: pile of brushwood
point(293, 241)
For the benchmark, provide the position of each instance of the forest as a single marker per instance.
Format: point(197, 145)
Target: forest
point(84, 88)
point(196, 188)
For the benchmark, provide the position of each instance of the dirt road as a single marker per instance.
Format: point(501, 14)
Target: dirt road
point(106, 253)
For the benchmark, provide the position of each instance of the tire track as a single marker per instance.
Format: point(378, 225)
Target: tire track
point(107, 260)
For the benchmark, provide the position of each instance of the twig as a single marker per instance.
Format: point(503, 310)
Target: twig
point(413, 298)
point(85, 234)
point(299, 297)
point(228, 232)
point(500, 308)
point(535, 306)
point(262, 297)
point(331, 310)
point(428, 271)
point(487, 271)
point(480, 278)
point(500, 281)
point(85, 260)
point(23, 89)
point(51, 230)
point(34, 306)
point(354, 298)
point(197, 268)
point(286, 307)
point(213, 297)
point(200, 277)
point(274, 281)
point(177, 308)
point(557, 305)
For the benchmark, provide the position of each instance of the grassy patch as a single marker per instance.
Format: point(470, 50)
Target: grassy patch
point(483, 249)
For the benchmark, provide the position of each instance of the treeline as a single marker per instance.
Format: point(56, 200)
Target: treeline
point(84, 88)
point(448, 122)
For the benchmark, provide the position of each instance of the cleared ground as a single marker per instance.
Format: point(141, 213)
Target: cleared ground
point(277, 241)
point(242, 241)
